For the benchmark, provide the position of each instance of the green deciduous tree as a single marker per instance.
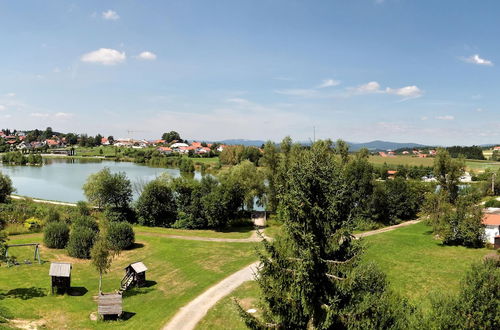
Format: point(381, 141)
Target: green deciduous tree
point(171, 136)
point(156, 204)
point(108, 189)
point(6, 188)
point(101, 258)
point(448, 172)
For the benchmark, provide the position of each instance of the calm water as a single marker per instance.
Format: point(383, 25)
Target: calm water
point(62, 179)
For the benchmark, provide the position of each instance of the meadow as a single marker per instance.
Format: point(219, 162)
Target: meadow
point(178, 271)
point(416, 264)
point(470, 164)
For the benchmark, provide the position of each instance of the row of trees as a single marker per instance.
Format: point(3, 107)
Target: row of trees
point(17, 158)
point(212, 202)
point(473, 152)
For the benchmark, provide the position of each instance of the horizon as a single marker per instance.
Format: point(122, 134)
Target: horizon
point(364, 70)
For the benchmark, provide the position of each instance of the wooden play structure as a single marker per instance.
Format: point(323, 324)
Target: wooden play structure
point(135, 274)
point(60, 274)
point(36, 255)
point(109, 304)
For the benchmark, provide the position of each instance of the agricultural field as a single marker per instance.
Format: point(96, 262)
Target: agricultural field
point(474, 165)
point(417, 266)
point(179, 270)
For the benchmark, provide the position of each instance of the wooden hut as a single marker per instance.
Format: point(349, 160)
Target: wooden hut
point(60, 274)
point(135, 274)
point(110, 304)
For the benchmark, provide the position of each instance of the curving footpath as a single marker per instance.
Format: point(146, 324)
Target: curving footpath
point(188, 316)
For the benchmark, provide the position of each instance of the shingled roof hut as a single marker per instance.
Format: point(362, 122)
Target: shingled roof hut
point(60, 274)
point(135, 274)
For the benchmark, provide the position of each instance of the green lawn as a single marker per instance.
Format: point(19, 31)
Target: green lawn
point(233, 232)
point(179, 270)
point(417, 266)
point(224, 315)
point(471, 164)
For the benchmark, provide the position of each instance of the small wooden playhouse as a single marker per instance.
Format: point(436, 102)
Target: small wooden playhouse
point(60, 274)
point(135, 274)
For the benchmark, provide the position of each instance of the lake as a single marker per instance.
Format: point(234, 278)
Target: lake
point(62, 179)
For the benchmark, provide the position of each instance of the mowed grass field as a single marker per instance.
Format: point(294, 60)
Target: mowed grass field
point(475, 165)
point(417, 266)
point(178, 271)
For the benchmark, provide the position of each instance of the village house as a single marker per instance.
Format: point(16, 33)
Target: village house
point(164, 150)
point(492, 226)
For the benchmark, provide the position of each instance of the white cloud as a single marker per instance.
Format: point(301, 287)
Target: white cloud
point(239, 101)
point(371, 87)
point(447, 117)
point(424, 118)
point(479, 110)
point(328, 83)
point(476, 59)
point(148, 56)
point(110, 15)
point(105, 56)
point(10, 94)
point(63, 115)
point(2, 107)
point(297, 92)
point(407, 92)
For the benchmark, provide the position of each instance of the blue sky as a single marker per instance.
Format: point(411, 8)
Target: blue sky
point(400, 70)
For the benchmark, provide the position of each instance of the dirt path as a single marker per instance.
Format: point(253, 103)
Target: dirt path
point(383, 230)
point(188, 316)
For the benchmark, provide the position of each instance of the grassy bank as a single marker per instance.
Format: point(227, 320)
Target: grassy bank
point(179, 270)
point(417, 266)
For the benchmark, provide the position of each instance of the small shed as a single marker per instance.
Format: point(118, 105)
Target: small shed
point(60, 274)
point(110, 304)
point(135, 273)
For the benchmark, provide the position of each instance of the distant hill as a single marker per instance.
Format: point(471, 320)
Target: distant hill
point(383, 145)
point(254, 143)
point(372, 146)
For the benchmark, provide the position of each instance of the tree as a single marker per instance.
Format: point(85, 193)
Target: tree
point(448, 172)
point(80, 242)
point(56, 235)
point(156, 204)
point(101, 258)
point(270, 161)
point(311, 275)
point(6, 188)
point(248, 179)
point(171, 136)
point(120, 236)
point(106, 189)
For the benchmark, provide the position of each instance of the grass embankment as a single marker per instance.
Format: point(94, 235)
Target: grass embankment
point(417, 266)
point(232, 232)
point(179, 270)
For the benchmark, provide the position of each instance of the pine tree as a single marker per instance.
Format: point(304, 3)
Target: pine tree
point(311, 276)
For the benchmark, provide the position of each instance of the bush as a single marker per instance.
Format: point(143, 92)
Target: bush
point(33, 224)
point(56, 235)
point(80, 242)
point(85, 223)
point(120, 214)
point(52, 216)
point(492, 203)
point(5, 188)
point(120, 235)
point(83, 208)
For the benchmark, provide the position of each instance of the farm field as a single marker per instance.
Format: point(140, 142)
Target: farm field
point(476, 165)
point(417, 266)
point(179, 270)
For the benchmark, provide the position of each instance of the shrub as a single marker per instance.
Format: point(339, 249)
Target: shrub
point(80, 242)
point(33, 224)
point(56, 235)
point(52, 215)
point(83, 208)
point(492, 203)
point(85, 222)
point(120, 235)
point(119, 214)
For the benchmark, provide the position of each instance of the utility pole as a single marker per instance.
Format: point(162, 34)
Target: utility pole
point(314, 134)
point(493, 177)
